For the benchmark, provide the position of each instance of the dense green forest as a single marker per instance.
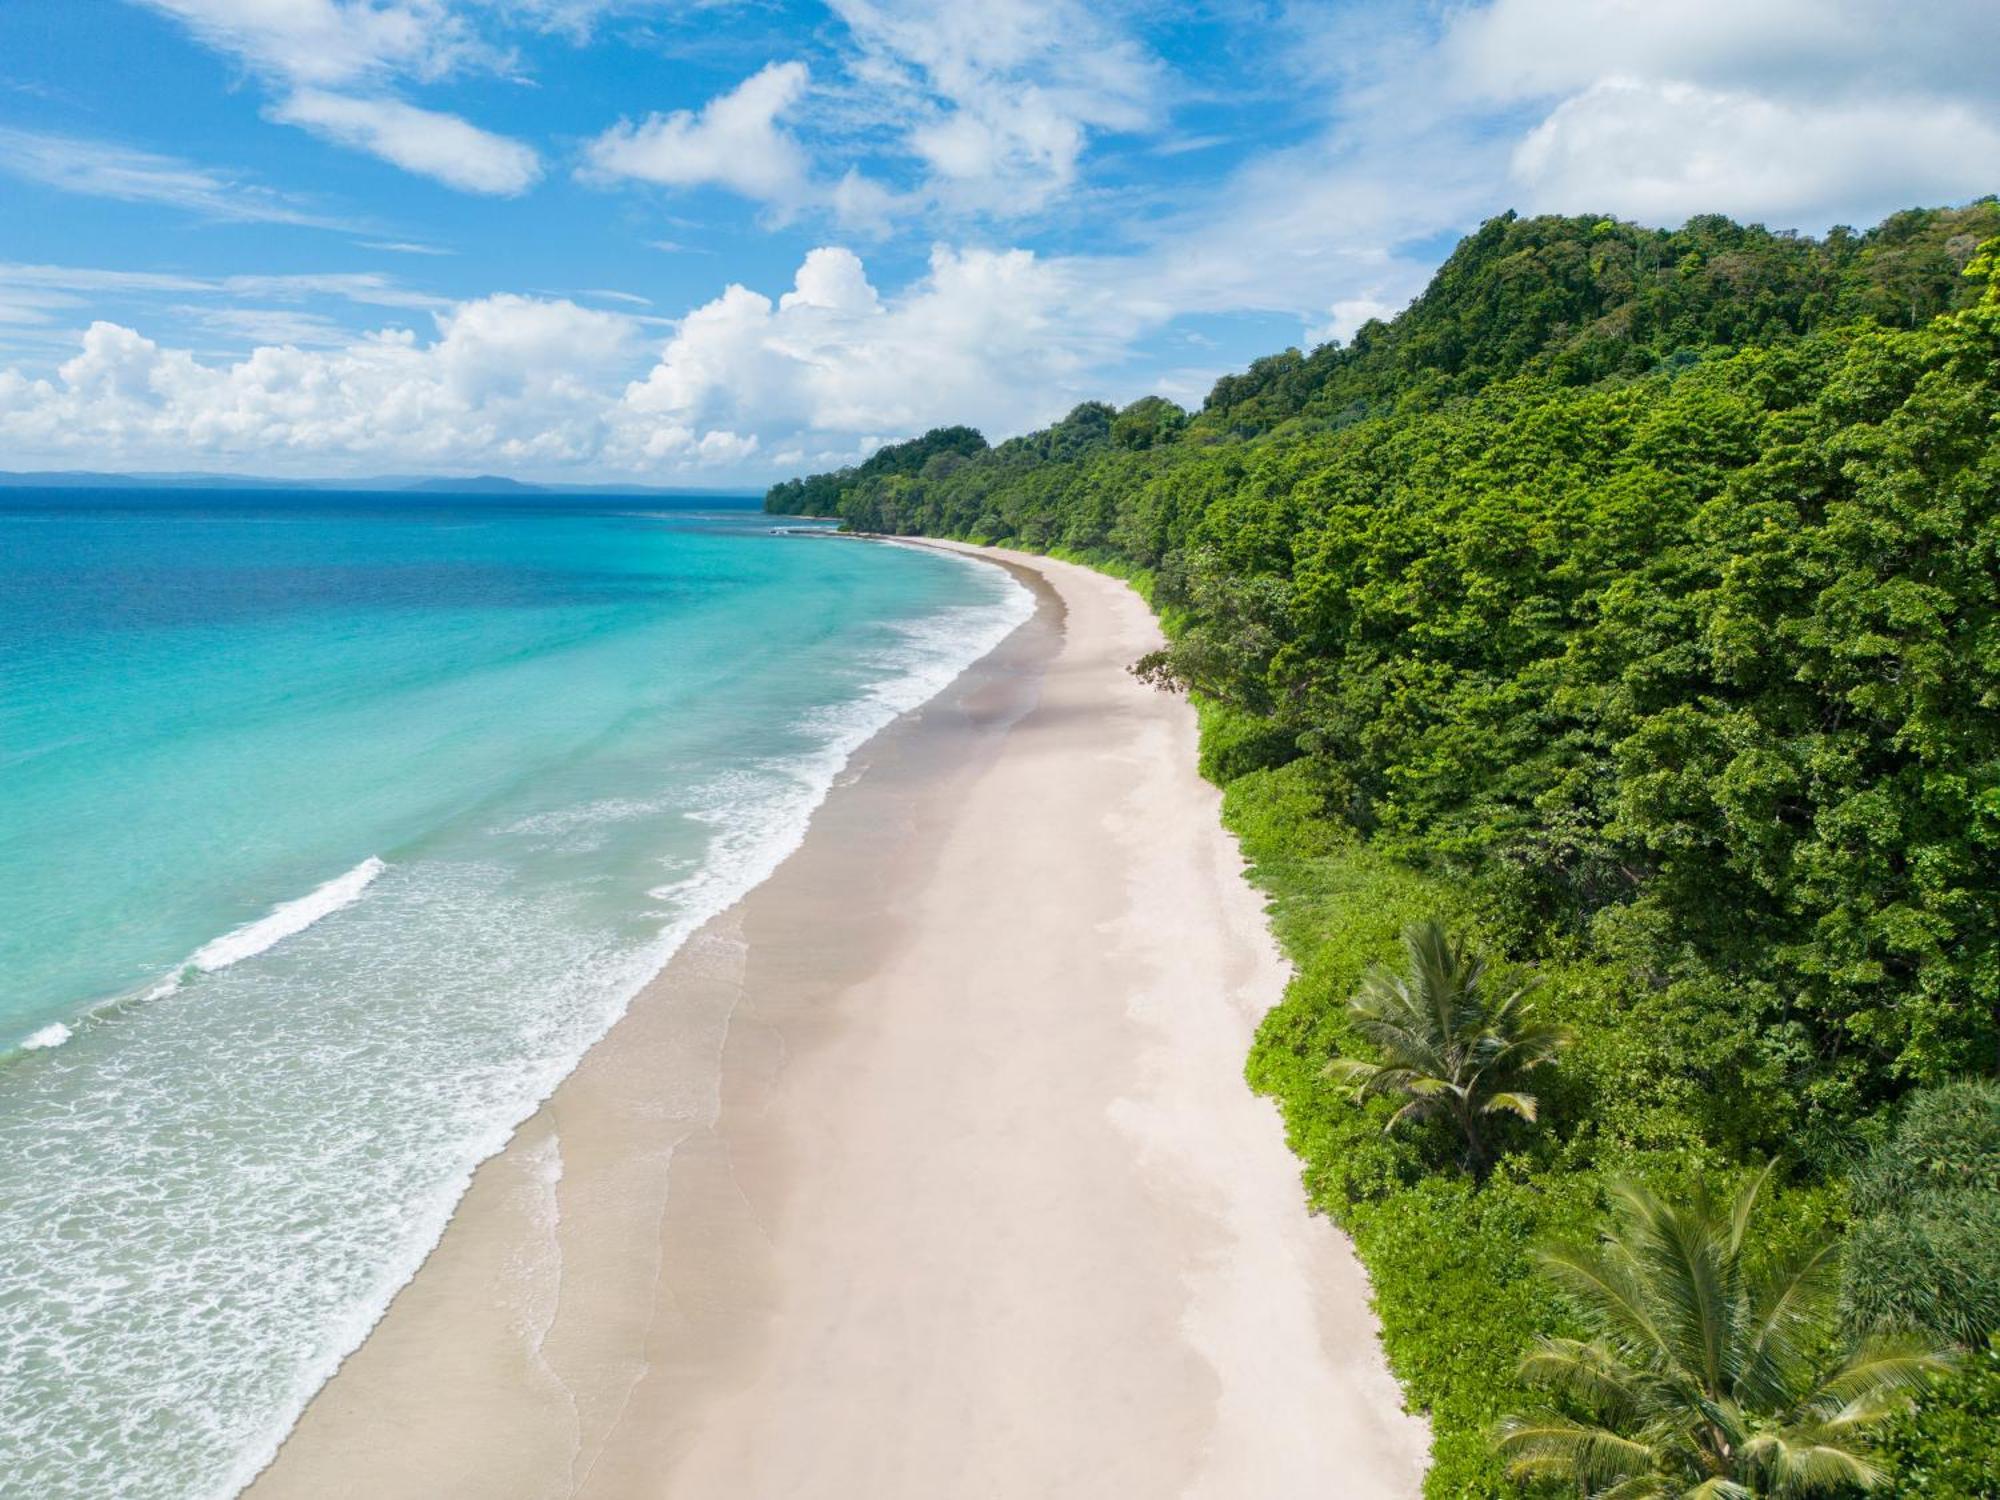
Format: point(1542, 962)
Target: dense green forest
point(1630, 605)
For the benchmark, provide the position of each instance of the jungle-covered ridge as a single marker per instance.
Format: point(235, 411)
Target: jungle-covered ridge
point(1631, 604)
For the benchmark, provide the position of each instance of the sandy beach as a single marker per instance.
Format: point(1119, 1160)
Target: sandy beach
point(928, 1170)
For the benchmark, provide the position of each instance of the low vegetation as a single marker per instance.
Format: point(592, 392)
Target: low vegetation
point(1705, 1373)
point(1456, 1048)
point(1630, 607)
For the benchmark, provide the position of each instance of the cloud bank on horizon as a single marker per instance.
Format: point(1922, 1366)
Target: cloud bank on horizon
point(703, 241)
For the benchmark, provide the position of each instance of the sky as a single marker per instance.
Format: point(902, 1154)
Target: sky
point(705, 243)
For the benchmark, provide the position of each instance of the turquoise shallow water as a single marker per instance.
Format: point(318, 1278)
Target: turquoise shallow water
point(333, 828)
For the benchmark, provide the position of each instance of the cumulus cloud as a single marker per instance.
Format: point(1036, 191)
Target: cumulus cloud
point(453, 151)
point(506, 379)
point(985, 110)
point(1800, 113)
point(542, 385)
point(1000, 337)
point(734, 141)
point(1661, 152)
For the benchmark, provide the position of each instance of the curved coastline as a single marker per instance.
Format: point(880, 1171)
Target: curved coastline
point(975, 1163)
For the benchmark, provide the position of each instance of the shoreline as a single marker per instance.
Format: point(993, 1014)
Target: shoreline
point(973, 1200)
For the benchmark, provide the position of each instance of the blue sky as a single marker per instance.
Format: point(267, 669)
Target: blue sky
point(702, 243)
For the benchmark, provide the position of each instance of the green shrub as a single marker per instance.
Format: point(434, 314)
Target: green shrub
point(1949, 1449)
point(1927, 1251)
point(1235, 743)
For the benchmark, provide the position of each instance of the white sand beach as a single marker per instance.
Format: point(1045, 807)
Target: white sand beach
point(928, 1171)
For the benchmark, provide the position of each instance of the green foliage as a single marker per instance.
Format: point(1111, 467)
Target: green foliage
point(1583, 299)
point(1455, 1280)
point(1705, 1368)
point(1927, 1251)
point(1459, 1298)
point(935, 455)
point(1454, 1046)
point(1148, 422)
point(1630, 604)
point(1946, 1449)
point(1234, 743)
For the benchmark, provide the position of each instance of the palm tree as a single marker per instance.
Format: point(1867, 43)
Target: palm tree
point(1702, 1380)
point(1452, 1046)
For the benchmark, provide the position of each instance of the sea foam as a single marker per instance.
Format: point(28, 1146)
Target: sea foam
point(286, 920)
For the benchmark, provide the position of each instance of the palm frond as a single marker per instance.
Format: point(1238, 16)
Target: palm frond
point(1798, 1464)
point(1718, 1487)
point(1419, 1108)
point(1553, 1445)
point(1351, 1070)
point(1891, 1364)
point(1589, 1373)
point(1789, 1301)
point(1640, 1487)
point(1523, 1105)
point(1533, 1045)
point(1607, 1292)
point(1744, 1206)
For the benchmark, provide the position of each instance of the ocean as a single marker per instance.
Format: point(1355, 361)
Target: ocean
point(333, 829)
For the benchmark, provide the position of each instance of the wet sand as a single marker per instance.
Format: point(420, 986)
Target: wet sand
point(927, 1170)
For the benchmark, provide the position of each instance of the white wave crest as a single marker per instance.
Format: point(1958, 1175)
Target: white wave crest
point(52, 1035)
point(283, 921)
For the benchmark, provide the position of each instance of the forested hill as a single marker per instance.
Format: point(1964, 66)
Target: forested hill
point(1631, 603)
point(1577, 300)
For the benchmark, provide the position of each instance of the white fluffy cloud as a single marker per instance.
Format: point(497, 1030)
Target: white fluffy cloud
point(734, 141)
point(334, 60)
point(998, 100)
point(1661, 152)
point(1799, 113)
point(544, 386)
point(507, 380)
point(453, 151)
point(982, 109)
point(999, 337)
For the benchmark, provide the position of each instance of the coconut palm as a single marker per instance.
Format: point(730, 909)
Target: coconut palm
point(1453, 1046)
point(1704, 1377)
